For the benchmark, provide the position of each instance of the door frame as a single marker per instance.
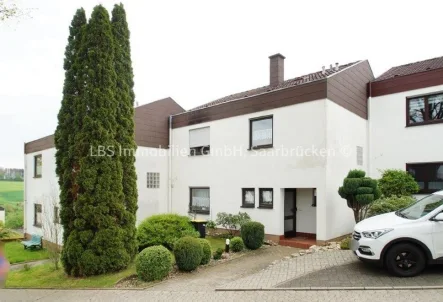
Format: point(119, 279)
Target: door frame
point(293, 232)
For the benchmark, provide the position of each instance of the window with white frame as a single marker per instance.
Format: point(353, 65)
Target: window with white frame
point(153, 180)
point(199, 141)
point(199, 200)
point(37, 215)
point(38, 166)
point(261, 132)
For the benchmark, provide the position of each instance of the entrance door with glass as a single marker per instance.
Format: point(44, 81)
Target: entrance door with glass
point(290, 213)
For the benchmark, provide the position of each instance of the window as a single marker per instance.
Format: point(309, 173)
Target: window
point(37, 215)
point(260, 135)
point(38, 166)
point(266, 199)
point(199, 141)
point(429, 176)
point(56, 215)
point(153, 180)
point(425, 109)
point(248, 198)
point(359, 155)
point(199, 200)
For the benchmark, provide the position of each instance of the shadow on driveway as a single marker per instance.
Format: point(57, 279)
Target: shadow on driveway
point(357, 274)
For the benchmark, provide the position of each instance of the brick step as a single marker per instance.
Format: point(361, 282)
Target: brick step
point(302, 244)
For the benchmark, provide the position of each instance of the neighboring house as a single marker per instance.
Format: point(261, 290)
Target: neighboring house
point(278, 152)
point(406, 122)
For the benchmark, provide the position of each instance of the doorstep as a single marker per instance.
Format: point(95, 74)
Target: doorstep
point(298, 242)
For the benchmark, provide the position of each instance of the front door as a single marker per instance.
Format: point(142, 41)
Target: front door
point(290, 212)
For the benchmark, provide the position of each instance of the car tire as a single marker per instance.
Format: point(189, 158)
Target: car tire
point(405, 260)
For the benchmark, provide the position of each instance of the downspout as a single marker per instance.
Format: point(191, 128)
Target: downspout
point(170, 167)
point(369, 133)
point(25, 176)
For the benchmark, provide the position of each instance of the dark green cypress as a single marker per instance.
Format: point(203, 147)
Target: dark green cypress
point(96, 244)
point(64, 134)
point(125, 120)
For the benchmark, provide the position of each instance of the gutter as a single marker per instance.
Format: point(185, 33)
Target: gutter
point(170, 167)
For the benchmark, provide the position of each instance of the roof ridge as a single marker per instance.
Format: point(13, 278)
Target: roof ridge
point(299, 80)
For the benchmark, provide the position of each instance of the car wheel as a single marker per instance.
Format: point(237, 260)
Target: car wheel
point(405, 260)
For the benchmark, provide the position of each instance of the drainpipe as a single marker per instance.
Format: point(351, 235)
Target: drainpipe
point(25, 177)
point(170, 167)
point(369, 133)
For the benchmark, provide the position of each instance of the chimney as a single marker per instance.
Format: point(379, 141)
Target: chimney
point(323, 70)
point(330, 66)
point(336, 66)
point(277, 69)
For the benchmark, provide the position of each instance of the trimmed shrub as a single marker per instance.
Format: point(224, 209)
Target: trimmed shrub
point(253, 234)
point(344, 244)
point(397, 183)
point(206, 246)
point(391, 204)
point(231, 222)
point(164, 229)
point(153, 263)
point(237, 244)
point(188, 253)
point(218, 254)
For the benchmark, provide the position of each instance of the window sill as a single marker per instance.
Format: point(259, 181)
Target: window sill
point(37, 225)
point(261, 147)
point(37, 176)
point(248, 207)
point(424, 123)
point(262, 207)
point(199, 212)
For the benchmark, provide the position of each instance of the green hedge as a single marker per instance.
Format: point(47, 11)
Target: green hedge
point(253, 234)
point(188, 253)
point(164, 229)
point(218, 254)
point(206, 246)
point(237, 244)
point(390, 204)
point(153, 263)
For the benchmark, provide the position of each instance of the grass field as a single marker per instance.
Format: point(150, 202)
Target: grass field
point(11, 198)
point(15, 253)
point(11, 192)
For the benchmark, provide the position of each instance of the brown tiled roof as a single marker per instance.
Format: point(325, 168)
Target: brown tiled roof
point(304, 79)
point(411, 68)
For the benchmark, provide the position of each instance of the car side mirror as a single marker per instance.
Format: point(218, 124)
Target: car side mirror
point(438, 217)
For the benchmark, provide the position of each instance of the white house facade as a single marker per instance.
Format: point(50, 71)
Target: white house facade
point(278, 152)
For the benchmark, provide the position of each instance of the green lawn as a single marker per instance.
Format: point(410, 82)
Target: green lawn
point(15, 253)
point(44, 276)
point(11, 192)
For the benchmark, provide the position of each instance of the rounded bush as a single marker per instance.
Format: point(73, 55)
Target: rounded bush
point(188, 253)
point(237, 244)
point(164, 229)
point(206, 246)
point(218, 254)
point(153, 263)
point(253, 234)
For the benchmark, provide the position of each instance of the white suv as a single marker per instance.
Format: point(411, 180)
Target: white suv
point(404, 241)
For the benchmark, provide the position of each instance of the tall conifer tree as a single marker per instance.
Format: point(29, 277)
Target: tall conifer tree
point(96, 244)
point(125, 120)
point(64, 134)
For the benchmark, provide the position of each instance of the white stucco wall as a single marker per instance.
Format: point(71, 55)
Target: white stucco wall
point(345, 131)
point(2, 215)
point(151, 201)
point(306, 214)
point(40, 190)
point(392, 143)
point(299, 126)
